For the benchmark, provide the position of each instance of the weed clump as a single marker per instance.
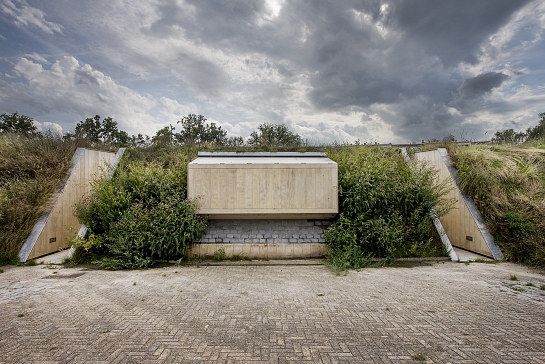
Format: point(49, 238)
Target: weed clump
point(220, 255)
point(418, 357)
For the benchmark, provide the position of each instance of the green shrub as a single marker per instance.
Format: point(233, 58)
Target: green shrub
point(385, 204)
point(145, 234)
point(137, 182)
point(141, 215)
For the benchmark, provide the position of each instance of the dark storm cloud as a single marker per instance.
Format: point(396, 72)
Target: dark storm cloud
point(482, 84)
point(474, 88)
point(356, 67)
point(338, 45)
point(451, 30)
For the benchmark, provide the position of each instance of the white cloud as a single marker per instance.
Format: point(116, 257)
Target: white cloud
point(49, 127)
point(274, 6)
point(26, 15)
point(511, 43)
point(35, 56)
point(172, 111)
point(173, 107)
point(341, 71)
point(70, 88)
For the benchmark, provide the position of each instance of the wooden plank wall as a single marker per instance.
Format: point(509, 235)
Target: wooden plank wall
point(267, 190)
point(62, 225)
point(459, 223)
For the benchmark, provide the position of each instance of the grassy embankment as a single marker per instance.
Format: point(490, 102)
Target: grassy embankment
point(34, 168)
point(30, 171)
point(507, 183)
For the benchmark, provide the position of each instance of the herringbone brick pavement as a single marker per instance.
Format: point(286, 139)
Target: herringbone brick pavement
point(441, 313)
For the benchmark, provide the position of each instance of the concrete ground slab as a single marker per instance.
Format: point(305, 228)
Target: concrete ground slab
point(443, 312)
point(56, 258)
point(467, 256)
point(284, 262)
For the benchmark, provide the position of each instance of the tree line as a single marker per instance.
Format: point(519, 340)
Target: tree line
point(195, 130)
point(510, 136)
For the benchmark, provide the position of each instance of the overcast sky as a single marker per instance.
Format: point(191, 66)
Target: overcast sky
point(374, 70)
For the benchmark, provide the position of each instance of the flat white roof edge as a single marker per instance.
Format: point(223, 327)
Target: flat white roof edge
point(261, 161)
point(261, 154)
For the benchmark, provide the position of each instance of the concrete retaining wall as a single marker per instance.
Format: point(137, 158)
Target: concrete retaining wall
point(464, 225)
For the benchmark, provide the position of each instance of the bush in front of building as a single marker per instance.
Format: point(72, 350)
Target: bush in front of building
point(140, 216)
point(385, 205)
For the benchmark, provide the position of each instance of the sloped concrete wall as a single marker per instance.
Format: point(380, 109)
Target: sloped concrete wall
point(463, 225)
point(58, 225)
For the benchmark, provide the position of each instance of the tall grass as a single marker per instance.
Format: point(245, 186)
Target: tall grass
point(508, 186)
point(30, 171)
